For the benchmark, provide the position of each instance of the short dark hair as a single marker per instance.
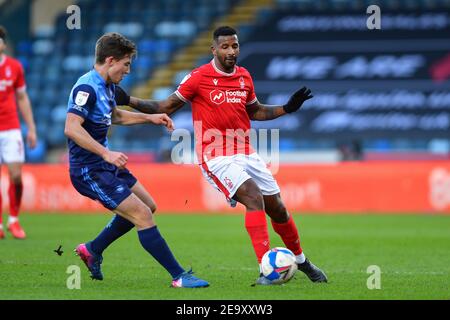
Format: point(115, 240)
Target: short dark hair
point(113, 45)
point(223, 31)
point(3, 33)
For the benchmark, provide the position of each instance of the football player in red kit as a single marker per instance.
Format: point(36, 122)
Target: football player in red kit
point(12, 154)
point(223, 103)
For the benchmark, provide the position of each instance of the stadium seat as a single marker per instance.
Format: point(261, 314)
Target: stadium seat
point(43, 47)
point(179, 76)
point(25, 48)
point(162, 93)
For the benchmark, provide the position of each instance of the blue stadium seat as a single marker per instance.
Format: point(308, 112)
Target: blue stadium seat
point(25, 48)
point(179, 76)
point(162, 93)
point(37, 155)
point(147, 46)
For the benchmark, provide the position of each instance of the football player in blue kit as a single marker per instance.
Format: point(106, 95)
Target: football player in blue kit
point(100, 174)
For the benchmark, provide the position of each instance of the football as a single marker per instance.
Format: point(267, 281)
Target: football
point(278, 265)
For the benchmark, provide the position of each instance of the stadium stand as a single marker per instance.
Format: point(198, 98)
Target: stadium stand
point(173, 37)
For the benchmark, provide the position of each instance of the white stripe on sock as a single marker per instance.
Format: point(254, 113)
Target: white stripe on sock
point(12, 220)
point(300, 258)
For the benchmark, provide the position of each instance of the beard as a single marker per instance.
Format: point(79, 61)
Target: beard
point(229, 63)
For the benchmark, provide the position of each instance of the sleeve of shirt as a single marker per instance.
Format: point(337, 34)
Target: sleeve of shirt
point(187, 89)
point(19, 84)
point(121, 97)
point(82, 99)
point(251, 98)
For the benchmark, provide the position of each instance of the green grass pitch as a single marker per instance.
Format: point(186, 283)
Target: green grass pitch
point(412, 251)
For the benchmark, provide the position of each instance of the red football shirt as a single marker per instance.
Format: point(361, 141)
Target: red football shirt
point(219, 100)
point(12, 79)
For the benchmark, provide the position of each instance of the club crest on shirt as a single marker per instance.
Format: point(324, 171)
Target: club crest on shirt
point(8, 72)
point(81, 98)
point(242, 82)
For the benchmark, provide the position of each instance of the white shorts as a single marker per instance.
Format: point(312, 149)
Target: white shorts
point(228, 173)
point(11, 146)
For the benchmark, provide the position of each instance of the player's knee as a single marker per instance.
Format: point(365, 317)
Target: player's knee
point(16, 178)
point(143, 217)
point(255, 201)
point(278, 213)
point(153, 207)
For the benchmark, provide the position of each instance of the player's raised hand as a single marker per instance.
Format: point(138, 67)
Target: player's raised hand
point(116, 158)
point(162, 119)
point(297, 99)
point(31, 139)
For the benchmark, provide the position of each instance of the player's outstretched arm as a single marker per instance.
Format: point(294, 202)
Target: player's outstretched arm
point(262, 112)
point(168, 106)
point(25, 109)
point(126, 118)
point(74, 130)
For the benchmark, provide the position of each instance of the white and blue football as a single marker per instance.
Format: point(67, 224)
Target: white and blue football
point(278, 265)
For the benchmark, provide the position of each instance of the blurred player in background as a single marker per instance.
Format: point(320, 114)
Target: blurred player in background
point(100, 174)
point(223, 99)
point(12, 153)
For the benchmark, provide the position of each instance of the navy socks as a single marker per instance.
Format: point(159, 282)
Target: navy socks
point(116, 228)
point(154, 243)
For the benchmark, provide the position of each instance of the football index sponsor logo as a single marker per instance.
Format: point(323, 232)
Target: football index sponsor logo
point(4, 84)
point(230, 96)
point(217, 96)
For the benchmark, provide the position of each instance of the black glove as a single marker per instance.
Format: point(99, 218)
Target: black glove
point(297, 99)
point(121, 97)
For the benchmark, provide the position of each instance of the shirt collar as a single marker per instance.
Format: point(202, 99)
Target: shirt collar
point(98, 78)
point(110, 89)
point(2, 59)
point(222, 72)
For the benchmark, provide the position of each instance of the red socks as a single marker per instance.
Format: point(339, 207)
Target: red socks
point(289, 234)
point(15, 197)
point(256, 225)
